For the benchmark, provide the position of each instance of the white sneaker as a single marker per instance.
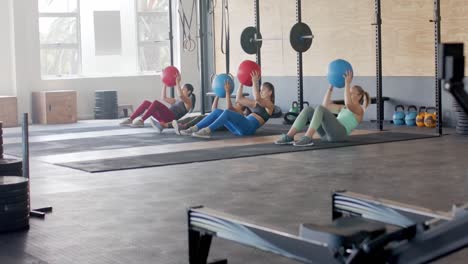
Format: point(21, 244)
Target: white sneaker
point(189, 131)
point(202, 133)
point(138, 123)
point(176, 127)
point(126, 122)
point(156, 125)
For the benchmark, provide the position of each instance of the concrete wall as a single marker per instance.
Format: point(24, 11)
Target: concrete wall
point(342, 29)
point(417, 91)
point(7, 64)
point(131, 89)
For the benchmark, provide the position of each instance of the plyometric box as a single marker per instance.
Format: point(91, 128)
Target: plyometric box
point(54, 107)
point(9, 111)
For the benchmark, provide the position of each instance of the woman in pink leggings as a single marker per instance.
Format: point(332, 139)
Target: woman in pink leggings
point(161, 113)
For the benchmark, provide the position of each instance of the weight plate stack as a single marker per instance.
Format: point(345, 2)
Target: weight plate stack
point(14, 203)
point(106, 106)
point(462, 119)
point(12, 167)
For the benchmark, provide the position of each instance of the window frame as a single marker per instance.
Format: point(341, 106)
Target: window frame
point(150, 43)
point(78, 45)
point(75, 46)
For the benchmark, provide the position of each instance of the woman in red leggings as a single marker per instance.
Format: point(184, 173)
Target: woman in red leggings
point(161, 113)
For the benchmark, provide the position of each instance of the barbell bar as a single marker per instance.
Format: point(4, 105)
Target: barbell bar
point(300, 37)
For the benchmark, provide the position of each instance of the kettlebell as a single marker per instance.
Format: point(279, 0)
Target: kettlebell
point(294, 107)
point(430, 119)
point(410, 118)
point(420, 116)
point(399, 115)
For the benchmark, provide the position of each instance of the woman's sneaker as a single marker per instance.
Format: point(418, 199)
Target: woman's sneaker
point(202, 133)
point(138, 123)
point(304, 142)
point(176, 127)
point(189, 131)
point(156, 125)
point(126, 122)
point(284, 140)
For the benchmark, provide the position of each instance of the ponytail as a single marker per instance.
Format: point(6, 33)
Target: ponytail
point(365, 99)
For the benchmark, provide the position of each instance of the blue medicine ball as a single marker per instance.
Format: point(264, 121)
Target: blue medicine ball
point(336, 70)
point(218, 84)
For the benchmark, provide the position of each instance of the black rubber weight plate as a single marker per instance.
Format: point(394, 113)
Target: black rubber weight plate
point(8, 217)
point(14, 207)
point(298, 31)
point(13, 193)
point(15, 226)
point(23, 197)
point(248, 42)
point(10, 164)
point(11, 183)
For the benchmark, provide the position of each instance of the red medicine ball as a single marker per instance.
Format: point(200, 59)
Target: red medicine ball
point(245, 70)
point(169, 74)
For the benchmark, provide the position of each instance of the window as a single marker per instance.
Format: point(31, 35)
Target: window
point(104, 37)
point(59, 37)
point(153, 34)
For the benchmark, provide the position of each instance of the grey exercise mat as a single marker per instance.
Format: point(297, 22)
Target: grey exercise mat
point(181, 157)
point(168, 136)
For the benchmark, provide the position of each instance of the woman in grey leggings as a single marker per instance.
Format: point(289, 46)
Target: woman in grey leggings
point(323, 121)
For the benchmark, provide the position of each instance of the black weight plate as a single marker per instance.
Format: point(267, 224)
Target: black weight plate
point(105, 117)
point(105, 91)
point(298, 31)
point(248, 42)
point(13, 207)
point(8, 217)
point(104, 103)
point(111, 99)
point(24, 197)
point(10, 164)
point(11, 173)
point(15, 226)
point(106, 107)
point(1, 142)
point(13, 193)
point(12, 183)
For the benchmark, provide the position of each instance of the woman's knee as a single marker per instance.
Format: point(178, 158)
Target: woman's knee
point(217, 111)
point(146, 103)
point(320, 108)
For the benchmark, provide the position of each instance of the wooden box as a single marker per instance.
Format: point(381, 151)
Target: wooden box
point(54, 107)
point(8, 111)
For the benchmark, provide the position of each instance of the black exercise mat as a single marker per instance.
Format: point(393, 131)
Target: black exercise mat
point(181, 157)
point(37, 149)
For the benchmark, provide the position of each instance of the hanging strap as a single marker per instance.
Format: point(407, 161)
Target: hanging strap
point(188, 42)
point(225, 32)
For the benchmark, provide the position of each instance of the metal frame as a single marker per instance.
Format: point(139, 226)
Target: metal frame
point(427, 235)
point(300, 71)
point(171, 40)
point(437, 83)
point(378, 64)
point(38, 212)
point(258, 55)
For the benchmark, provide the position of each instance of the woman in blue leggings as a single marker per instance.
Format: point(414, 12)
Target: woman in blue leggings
point(262, 107)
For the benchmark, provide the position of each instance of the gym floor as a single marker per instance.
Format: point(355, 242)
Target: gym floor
point(139, 215)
